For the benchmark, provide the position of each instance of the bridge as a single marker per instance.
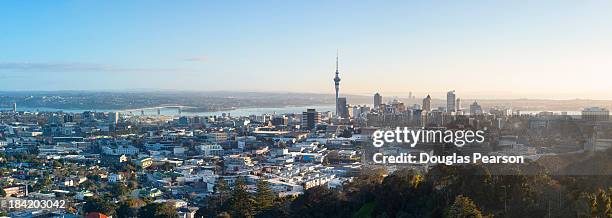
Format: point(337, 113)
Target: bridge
point(179, 109)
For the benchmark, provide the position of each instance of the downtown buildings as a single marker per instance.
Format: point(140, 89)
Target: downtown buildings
point(183, 160)
point(595, 114)
point(451, 101)
point(378, 100)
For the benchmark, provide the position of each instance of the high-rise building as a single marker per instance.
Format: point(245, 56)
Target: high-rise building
point(343, 108)
point(87, 115)
point(458, 106)
point(427, 103)
point(475, 108)
point(310, 119)
point(113, 118)
point(337, 86)
point(377, 100)
point(596, 114)
point(15, 107)
point(409, 95)
point(450, 101)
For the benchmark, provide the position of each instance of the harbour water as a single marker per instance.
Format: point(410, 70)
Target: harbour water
point(235, 112)
point(175, 111)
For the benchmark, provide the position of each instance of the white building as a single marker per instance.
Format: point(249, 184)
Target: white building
point(114, 178)
point(211, 150)
point(120, 149)
point(217, 137)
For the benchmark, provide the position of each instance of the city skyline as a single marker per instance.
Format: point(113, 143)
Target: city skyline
point(484, 49)
point(320, 108)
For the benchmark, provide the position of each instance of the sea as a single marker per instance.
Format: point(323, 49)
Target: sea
point(234, 112)
point(176, 112)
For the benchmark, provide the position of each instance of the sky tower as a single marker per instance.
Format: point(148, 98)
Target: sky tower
point(337, 85)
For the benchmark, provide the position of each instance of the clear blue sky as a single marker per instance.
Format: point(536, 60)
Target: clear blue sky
point(515, 48)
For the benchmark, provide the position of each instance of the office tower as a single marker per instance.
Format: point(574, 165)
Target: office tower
point(68, 118)
point(343, 108)
point(158, 112)
point(450, 101)
point(15, 107)
point(113, 118)
point(458, 104)
point(87, 115)
point(337, 86)
point(409, 95)
point(197, 119)
point(55, 119)
point(280, 121)
point(310, 119)
point(377, 100)
point(183, 121)
point(595, 114)
point(427, 103)
point(475, 108)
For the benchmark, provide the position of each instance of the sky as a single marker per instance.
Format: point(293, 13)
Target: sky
point(483, 49)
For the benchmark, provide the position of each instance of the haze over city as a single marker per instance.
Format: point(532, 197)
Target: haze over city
point(513, 49)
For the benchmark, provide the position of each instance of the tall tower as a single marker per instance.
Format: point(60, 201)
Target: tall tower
point(458, 106)
point(377, 100)
point(451, 101)
point(427, 103)
point(337, 85)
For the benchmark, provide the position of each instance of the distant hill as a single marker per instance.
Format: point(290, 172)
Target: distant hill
point(222, 100)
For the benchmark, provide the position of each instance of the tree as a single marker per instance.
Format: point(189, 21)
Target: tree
point(241, 203)
point(264, 199)
point(321, 201)
point(595, 204)
point(166, 167)
point(221, 186)
point(100, 205)
point(89, 185)
point(129, 168)
point(128, 209)
point(217, 202)
point(56, 164)
point(224, 215)
point(222, 190)
point(133, 184)
point(463, 208)
point(119, 190)
point(157, 210)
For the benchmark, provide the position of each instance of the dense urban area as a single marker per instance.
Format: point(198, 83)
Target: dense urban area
point(305, 109)
point(302, 164)
point(309, 164)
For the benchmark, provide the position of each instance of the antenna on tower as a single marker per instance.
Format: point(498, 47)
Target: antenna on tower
point(336, 60)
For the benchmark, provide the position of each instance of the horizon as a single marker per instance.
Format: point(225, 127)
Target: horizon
point(436, 96)
point(492, 50)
